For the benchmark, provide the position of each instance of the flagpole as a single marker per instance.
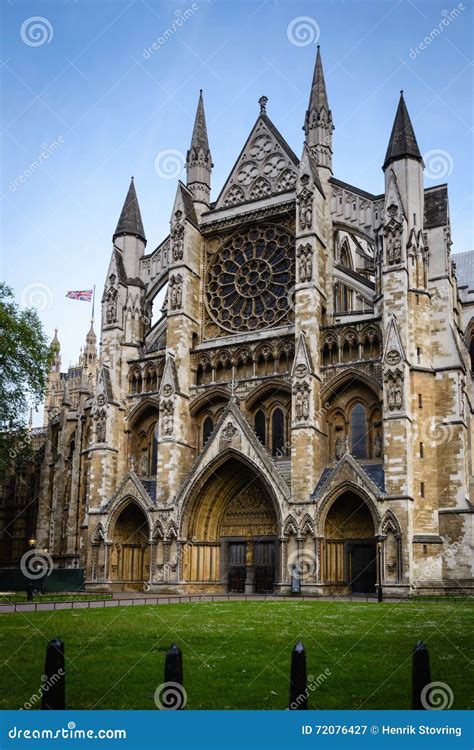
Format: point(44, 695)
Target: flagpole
point(93, 305)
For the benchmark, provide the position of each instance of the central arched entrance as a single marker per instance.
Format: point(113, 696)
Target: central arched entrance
point(232, 532)
point(349, 547)
point(130, 554)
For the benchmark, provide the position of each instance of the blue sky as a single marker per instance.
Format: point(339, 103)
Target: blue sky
point(83, 89)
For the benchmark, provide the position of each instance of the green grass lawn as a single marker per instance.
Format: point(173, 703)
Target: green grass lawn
point(237, 655)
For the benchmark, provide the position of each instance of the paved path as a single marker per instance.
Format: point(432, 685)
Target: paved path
point(127, 600)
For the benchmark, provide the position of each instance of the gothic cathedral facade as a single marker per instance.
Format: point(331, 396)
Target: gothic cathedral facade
point(302, 406)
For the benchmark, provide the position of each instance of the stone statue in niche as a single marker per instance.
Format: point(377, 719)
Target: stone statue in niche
point(394, 248)
point(395, 393)
point(305, 205)
point(305, 266)
point(398, 395)
point(378, 445)
point(167, 415)
point(144, 465)
point(177, 238)
point(340, 446)
point(101, 426)
point(111, 305)
point(302, 402)
point(176, 292)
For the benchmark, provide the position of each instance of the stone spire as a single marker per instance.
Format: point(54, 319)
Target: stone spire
point(55, 348)
point(130, 221)
point(318, 125)
point(198, 159)
point(402, 142)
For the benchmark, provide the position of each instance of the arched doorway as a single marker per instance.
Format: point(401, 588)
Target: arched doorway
point(130, 555)
point(349, 547)
point(232, 530)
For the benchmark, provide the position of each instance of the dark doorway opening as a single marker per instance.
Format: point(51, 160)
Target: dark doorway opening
point(237, 568)
point(264, 567)
point(363, 567)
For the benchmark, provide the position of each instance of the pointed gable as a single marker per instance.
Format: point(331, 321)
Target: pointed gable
point(233, 433)
point(349, 471)
point(393, 349)
point(266, 166)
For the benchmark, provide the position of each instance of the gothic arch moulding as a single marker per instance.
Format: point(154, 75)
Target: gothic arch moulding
point(334, 494)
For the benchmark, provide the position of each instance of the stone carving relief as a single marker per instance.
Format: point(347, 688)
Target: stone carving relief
point(250, 513)
point(393, 357)
point(229, 432)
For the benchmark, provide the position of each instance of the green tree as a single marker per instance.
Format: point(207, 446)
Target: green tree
point(25, 359)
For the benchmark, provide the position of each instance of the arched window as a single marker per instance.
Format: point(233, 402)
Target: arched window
point(359, 431)
point(345, 256)
point(207, 429)
point(260, 427)
point(278, 433)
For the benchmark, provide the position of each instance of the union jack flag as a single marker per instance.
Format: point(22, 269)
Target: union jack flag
point(83, 296)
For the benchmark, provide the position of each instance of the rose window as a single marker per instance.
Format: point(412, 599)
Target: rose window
point(250, 278)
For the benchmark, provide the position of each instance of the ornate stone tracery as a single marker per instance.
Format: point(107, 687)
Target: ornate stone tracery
point(249, 278)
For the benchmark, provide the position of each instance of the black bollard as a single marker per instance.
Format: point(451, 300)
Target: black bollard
point(30, 590)
point(421, 677)
point(379, 594)
point(298, 682)
point(53, 689)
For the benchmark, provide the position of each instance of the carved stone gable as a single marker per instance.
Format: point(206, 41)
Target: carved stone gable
point(265, 167)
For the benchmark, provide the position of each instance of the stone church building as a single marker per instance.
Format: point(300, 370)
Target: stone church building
point(303, 402)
